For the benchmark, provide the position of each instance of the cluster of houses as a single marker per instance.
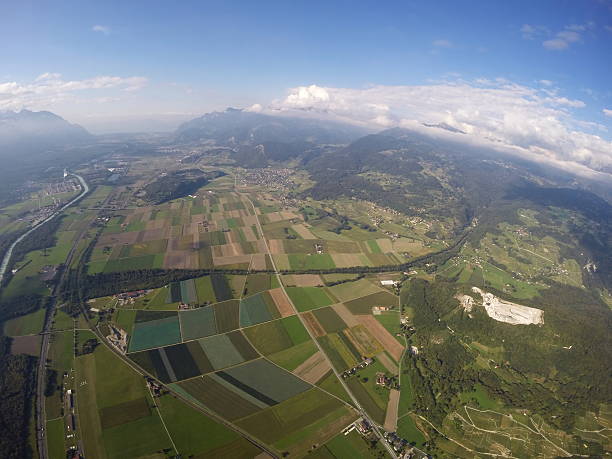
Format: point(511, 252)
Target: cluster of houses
point(156, 389)
point(362, 426)
point(388, 382)
point(186, 306)
point(402, 447)
point(406, 328)
point(130, 297)
point(272, 178)
point(350, 372)
point(318, 248)
point(378, 310)
point(203, 226)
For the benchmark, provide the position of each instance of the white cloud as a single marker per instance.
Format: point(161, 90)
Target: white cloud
point(50, 88)
point(569, 34)
point(495, 113)
point(556, 41)
point(442, 44)
point(102, 29)
point(607, 112)
point(530, 32)
point(555, 44)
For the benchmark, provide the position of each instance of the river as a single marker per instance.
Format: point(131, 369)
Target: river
point(9, 252)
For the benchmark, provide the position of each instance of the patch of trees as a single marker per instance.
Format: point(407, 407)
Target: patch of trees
point(178, 184)
point(19, 305)
point(344, 281)
point(16, 392)
point(88, 347)
point(537, 371)
point(50, 382)
point(103, 284)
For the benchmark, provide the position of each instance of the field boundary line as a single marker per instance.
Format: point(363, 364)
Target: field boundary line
point(161, 418)
point(197, 406)
point(360, 410)
point(312, 385)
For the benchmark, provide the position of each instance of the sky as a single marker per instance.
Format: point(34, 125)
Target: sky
point(534, 74)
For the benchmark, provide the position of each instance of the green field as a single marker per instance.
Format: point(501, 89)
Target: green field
point(103, 382)
point(221, 351)
point(365, 304)
point(292, 357)
point(61, 355)
point(353, 445)
point(329, 320)
point(372, 397)
point(297, 422)
point(332, 385)
point(269, 338)
point(257, 309)
point(219, 396)
point(195, 434)
point(407, 429)
point(257, 283)
point(349, 290)
point(307, 298)
point(314, 261)
point(406, 392)
point(295, 329)
point(198, 323)
point(204, 290)
point(29, 324)
point(56, 445)
point(155, 333)
point(483, 399)
point(62, 321)
point(125, 318)
point(266, 380)
point(391, 321)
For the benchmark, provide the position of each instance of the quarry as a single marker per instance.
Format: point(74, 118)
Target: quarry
point(511, 313)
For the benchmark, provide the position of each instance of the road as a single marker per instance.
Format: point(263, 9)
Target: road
point(46, 336)
point(356, 403)
point(9, 252)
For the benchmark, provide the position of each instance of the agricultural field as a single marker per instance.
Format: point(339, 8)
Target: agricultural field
point(61, 356)
point(209, 230)
point(115, 411)
point(29, 324)
point(350, 445)
point(516, 258)
point(313, 237)
point(195, 434)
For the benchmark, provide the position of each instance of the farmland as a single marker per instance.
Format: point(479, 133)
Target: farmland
point(253, 339)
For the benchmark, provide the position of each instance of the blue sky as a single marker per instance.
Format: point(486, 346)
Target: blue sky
point(156, 63)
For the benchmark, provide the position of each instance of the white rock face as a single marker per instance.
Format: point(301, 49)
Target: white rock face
point(467, 302)
point(511, 313)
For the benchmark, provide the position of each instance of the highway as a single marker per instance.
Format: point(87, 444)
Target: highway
point(46, 336)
